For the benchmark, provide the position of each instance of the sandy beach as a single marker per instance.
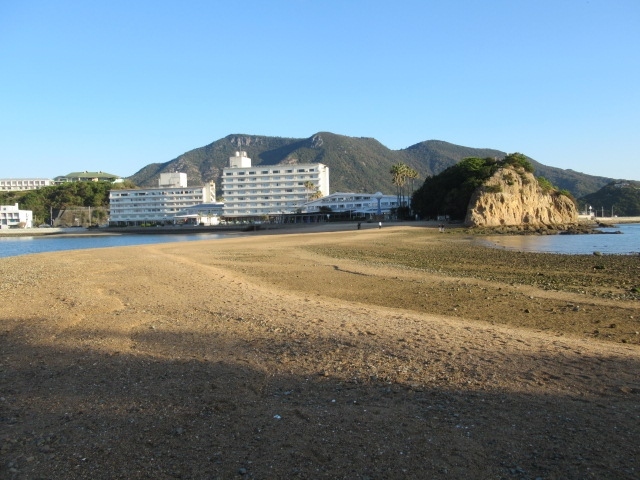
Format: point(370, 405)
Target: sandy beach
point(398, 352)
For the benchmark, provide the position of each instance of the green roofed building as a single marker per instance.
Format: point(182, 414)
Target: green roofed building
point(89, 177)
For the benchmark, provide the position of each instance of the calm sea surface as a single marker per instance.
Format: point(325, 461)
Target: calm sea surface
point(11, 247)
point(627, 242)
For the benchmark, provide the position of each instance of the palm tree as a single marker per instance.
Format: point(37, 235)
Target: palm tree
point(400, 173)
point(398, 178)
point(316, 195)
point(309, 187)
point(412, 175)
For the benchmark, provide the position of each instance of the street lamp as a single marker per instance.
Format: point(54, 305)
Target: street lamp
point(378, 196)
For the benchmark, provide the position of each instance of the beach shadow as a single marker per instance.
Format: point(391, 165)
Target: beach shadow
point(181, 405)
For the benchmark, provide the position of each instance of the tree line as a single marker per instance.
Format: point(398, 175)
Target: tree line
point(48, 203)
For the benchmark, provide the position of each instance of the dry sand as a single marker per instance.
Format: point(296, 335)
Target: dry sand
point(393, 353)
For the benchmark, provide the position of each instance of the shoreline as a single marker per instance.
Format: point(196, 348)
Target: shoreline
point(180, 230)
point(603, 222)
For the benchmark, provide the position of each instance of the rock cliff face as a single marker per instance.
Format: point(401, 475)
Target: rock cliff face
point(514, 198)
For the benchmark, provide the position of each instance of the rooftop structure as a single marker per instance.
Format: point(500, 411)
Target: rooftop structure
point(172, 179)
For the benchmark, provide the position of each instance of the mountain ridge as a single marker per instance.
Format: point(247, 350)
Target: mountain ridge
point(356, 164)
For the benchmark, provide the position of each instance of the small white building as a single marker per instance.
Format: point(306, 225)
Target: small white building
point(203, 214)
point(250, 191)
point(12, 217)
point(161, 205)
point(359, 204)
point(20, 184)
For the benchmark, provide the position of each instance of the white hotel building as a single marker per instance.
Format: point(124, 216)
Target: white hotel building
point(20, 184)
point(157, 205)
point(365, 205)
point(269, 189)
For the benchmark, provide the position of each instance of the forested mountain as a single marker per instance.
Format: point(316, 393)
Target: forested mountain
point(356, 164)
point(622, 198)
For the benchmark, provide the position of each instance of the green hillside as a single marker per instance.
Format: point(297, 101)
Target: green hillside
point(620, 197)
point(356, 164)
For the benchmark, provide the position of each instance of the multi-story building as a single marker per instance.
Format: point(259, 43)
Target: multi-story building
point(250, 191)
point(12, 217)
point(359, 204)
point(161, 205)
point(18, 184)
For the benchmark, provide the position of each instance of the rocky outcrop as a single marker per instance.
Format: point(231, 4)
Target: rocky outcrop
point(513, 197)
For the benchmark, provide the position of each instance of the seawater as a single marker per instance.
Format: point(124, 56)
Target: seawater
point(627, 242)
point(14, 246)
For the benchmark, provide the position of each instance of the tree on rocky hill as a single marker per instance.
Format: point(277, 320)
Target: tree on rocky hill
point(449, 192)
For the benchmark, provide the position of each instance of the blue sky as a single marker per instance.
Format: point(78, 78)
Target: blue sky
point(116, 85)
